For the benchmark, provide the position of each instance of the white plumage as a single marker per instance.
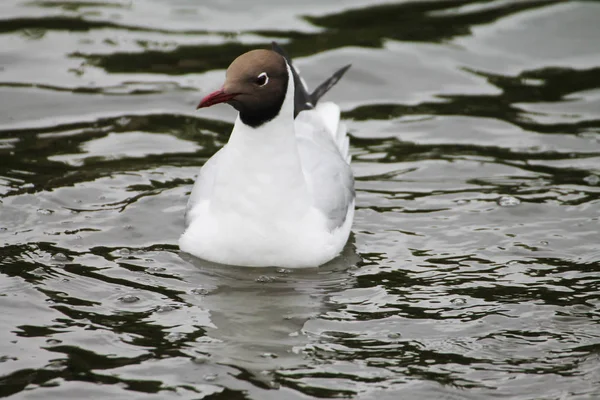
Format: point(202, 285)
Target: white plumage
point(281, 194)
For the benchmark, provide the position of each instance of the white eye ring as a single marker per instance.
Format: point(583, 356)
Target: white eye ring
point(260, 77)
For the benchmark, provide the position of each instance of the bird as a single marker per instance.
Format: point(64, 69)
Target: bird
point(280, 192)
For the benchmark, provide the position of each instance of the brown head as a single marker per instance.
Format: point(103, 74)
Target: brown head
point(255, 85)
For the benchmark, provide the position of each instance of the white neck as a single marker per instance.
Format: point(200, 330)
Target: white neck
point(277, 133)
point(260, 172)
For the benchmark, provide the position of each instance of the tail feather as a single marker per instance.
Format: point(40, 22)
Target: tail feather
point(330, 116)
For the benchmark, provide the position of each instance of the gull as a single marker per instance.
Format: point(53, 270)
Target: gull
point(281, 191)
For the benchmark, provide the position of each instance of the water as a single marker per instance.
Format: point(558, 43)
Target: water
point(473, 270)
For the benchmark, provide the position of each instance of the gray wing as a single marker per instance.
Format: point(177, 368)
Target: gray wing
point(328, 175)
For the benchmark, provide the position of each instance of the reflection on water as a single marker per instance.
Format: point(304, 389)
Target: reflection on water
point(474, 271)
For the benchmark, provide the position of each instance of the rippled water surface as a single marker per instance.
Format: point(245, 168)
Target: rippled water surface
point(474, 267)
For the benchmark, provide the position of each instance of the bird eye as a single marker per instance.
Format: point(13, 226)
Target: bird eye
point(262, 79)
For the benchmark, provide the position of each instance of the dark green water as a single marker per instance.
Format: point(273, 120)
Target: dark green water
point(474, 271)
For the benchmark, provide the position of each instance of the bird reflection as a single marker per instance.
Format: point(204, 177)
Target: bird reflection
point(257, 314)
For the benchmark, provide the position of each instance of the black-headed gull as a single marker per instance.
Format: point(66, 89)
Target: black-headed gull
point(281, 191)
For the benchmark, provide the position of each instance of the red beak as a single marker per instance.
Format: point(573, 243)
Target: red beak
point(215, 98)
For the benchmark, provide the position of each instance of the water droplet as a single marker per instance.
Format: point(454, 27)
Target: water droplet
point(124, 252)
point(59, 257)
point(293, 334)
point(544, 243)
point(174, 336)
point(274, 385)
point(53, 341)
point(210, 377)
point(458, 301)
point(199, 291)
point(592, 180)
point(462, 202)
point(56, 365)
point(44, 211)
point(154, 270)
point(532, 82)
point(200, 360)
point(123, 121)
point(39, 271)
point(165, 308)
point(394, 335)
point(508, 201)
point(269, 355)
point(265, 279)
point(129, 298)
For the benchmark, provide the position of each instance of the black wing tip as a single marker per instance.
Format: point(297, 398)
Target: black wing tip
point(328, 84)
point(305, 100)
point(342, 71)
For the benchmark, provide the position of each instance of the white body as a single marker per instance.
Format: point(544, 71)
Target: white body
point(277, 195)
